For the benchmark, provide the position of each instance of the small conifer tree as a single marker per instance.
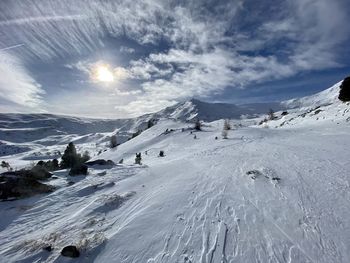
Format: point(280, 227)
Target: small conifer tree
point(138, 158)
point(70, 156)
point(227, 125)
point(113, 141)
point(198, 125)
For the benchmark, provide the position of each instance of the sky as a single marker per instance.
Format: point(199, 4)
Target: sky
point(121, 59)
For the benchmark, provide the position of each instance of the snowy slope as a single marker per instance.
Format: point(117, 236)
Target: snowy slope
point(38, 136)
point(33, 127)
point(277, 194)
point(323, 98)
point(323, 107)
point(197, 204)
point(196, 109)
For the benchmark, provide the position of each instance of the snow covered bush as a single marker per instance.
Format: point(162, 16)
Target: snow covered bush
point(344, 94)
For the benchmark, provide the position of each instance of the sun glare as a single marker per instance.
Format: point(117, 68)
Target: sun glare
point(104, 74)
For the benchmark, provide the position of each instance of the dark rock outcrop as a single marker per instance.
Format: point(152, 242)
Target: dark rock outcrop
point(21, 184)
point(40, 173)
point(70, 251)
point(80, 169)
point(344, 94)
point(48, 248)
point(100, 162)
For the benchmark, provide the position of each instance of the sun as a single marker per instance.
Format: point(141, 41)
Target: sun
point(104, 74)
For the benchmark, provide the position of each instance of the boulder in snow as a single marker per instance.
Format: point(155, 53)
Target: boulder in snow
point(80, 169)
point(17, 184)
point(70, 251)
point(100, 162)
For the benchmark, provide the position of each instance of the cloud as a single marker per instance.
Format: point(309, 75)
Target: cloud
point(91, 69)
point(127, 50)
point(18, 89)
point(209, 47)
point(203, 74)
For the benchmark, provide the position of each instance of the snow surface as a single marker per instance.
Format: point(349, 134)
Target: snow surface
point(198, 204)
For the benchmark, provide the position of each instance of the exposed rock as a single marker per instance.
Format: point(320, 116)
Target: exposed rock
point(100, 162)
point(80, 169)
point(19, 184)
point(344, 94)
point(318, 111)
point(102, 173)
point(37, 172)
point(70, 251)
point(276, 179)
point(254, 174)
point(40, 173)
point(48, 248)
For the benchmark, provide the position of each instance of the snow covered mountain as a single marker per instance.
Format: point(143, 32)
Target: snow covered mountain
point(269, 193)
point(21, 132)
point(30, 133)
point(196, 109)
point(323, 98)
point(33, 127)
point(20, 128)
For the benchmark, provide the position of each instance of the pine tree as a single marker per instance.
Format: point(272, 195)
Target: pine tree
point(70, 156)
point(227, 125)
point(198, 125)
point(113, 141)
point(138, 158)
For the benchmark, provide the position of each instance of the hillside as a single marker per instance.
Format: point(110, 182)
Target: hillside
point(276, 192)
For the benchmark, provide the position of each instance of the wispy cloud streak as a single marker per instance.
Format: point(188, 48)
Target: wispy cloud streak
point(210, 46)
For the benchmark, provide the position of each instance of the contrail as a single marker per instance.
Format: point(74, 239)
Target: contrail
point(38, 19)
point(11, 47)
